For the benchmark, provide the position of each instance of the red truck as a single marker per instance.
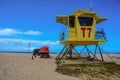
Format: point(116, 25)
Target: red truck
point(44, 52)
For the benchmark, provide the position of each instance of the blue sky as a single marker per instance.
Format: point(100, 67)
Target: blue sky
point(22, 21)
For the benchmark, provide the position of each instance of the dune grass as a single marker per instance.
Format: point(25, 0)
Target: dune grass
point(93, 71)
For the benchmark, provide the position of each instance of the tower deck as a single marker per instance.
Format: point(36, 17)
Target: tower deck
point(68, 42)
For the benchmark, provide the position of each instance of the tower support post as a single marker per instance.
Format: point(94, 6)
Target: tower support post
point(100, 52)
point(58, 56)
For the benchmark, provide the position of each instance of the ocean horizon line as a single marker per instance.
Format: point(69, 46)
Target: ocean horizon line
point(23, 52)
point(27, 52)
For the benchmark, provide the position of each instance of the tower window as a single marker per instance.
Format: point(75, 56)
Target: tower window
point(85, 21)
point(71, 21)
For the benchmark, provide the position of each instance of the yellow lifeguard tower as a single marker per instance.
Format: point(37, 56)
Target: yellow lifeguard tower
point(81, 32)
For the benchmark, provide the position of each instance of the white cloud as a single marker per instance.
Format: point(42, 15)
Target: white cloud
point(33, 32)
point(23, 41)
point(10, 31)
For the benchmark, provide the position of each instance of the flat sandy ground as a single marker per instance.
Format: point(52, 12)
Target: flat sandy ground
point(21, 67)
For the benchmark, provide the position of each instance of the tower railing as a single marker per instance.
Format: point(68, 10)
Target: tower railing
point(100, 34)
point(63, 35)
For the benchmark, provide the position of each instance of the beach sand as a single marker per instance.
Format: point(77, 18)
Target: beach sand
point(21, 67)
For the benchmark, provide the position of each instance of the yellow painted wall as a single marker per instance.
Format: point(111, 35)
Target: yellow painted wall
point(79, 34)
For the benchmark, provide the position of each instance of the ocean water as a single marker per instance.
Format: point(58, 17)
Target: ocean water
point(15, 52)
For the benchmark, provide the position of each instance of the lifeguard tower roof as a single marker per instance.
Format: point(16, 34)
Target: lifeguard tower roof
point(85, 13)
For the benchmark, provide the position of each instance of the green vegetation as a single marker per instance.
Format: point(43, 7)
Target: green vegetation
point(93, 71)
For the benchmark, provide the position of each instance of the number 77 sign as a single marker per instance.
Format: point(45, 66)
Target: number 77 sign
point(86, 29)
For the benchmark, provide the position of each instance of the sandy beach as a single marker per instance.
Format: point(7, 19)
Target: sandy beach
point(21, 67)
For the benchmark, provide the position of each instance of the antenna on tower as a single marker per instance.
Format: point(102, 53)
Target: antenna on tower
point(90, 5)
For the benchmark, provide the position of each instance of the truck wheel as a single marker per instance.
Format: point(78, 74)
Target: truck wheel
point(41, 55)
point(48, 56)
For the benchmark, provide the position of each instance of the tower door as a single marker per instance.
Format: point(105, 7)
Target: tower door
point(71, 30)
